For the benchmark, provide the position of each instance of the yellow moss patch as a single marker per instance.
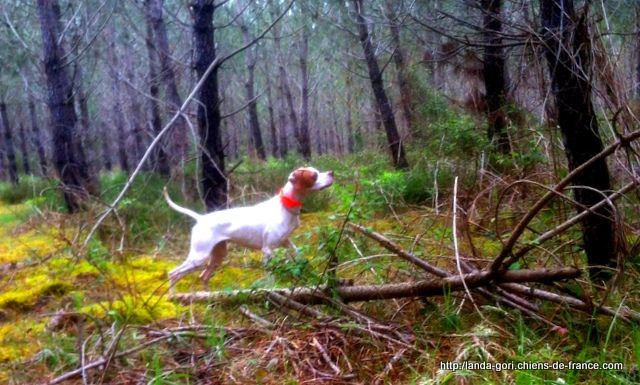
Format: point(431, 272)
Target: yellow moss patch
point(32, 244)
point(19, 340)
point(233, 277)
point(35, 289)
point(64, 266)
point(141, 274)
point(138, 309)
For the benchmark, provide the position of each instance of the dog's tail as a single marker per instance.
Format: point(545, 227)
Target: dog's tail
point(180, 209)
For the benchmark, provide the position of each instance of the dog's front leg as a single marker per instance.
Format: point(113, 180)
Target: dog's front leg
point(291, 245)
point(267, 254)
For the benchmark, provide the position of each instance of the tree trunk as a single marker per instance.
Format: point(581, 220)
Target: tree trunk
point(36, 135)
point(567, 50)
point(303, 132)
point(637, 77)
point(272, 124)
point(84, 130)
point(107, 161)
point(349, 119)
point(61, 104)
point(288, 99)
point(8, 144)
point(118, 116)
point(84, 111)
point(401, 70)
point(382, 101)
point(136, 124)
point(24, 149)
point(254, 123)
point(214, 183)
point(154, 13)
point(160, 158)
point(494, 72)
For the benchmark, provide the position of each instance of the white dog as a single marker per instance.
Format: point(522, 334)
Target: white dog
point(264, 226)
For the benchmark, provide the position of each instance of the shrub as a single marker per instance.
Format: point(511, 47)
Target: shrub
point(40, 192)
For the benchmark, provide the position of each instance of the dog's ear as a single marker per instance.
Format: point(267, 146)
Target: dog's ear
point(303, 178)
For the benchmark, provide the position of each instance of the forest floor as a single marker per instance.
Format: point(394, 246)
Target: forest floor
point(59, 311)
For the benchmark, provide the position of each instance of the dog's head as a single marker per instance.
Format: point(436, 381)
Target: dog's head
point(310, 179)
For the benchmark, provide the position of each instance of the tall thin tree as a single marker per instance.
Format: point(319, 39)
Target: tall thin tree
point(399, 61)
point(213, 180)
point(303, 131)
point(61, 104)
point(567, 44)
point(7, 136)
point(494, 73)
point(154, 12)
point(160, 159)
point(382, 100)
point(252, 107)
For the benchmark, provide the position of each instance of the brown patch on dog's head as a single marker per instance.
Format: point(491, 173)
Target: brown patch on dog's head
point(303, 179)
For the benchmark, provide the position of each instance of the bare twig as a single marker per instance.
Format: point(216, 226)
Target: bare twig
point(256, 318)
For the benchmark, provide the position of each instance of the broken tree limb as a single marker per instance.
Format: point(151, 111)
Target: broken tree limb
point(569, 223)
point(511, 300)
point(356, 293)
point(391, 246)
point(623, 312)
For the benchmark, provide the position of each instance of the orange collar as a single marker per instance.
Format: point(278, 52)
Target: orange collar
point(288, 202)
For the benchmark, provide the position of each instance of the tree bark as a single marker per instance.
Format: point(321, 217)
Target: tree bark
point(349, 118)
point(303, 132)
point(84, 128)
point(494, 73)
point(283, 130)
point(136, 124)
point(107, 160)
point(24, 149)
point(401, 68)
point(118, 113)
point(382, 101)
point(254, 123)
point(160, 159)
point(9, 149)
point(567, 50)
point(637, 74)
point(154, 13)
point(272, 124)
point(36, 135)
point(61, 104)
point(214, 183)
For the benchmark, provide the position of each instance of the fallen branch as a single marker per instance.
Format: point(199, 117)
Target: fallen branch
point(624, 312)
point(389, 245)
point(542, 202)
point(505, 298)
point(356, 293)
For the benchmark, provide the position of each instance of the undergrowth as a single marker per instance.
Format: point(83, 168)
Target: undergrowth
point(59, 301)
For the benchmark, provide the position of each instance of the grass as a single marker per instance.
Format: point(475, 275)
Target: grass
point(121, 292)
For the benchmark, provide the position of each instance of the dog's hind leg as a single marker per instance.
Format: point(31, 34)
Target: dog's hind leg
point(202, 243)
point(218, 253)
